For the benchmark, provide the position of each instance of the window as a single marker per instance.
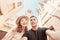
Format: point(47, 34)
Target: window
point(1, 12)
point(19, 4)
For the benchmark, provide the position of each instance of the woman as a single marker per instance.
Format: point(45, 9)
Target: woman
point(16, 34)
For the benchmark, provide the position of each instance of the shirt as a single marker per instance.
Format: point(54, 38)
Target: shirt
point(36, 35)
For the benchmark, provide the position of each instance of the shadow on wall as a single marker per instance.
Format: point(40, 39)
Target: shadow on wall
point(2, 34)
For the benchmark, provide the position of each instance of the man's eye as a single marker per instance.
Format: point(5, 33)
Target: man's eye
point(30, 20)
point(34, 19)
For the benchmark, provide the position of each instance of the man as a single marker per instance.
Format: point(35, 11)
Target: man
point(37, 33)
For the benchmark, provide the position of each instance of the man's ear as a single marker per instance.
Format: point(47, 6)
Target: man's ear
point(37, 21)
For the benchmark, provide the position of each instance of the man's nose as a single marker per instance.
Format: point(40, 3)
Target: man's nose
point(32, 20)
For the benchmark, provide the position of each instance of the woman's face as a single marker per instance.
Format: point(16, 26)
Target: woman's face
point(24, 22)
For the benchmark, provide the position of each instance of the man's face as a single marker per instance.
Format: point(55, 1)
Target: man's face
point(33, 21)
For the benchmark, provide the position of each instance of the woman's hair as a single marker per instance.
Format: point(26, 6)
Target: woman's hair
point(19, 26)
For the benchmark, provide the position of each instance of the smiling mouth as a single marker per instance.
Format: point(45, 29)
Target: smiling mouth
point(33, 23)
point(24, 24)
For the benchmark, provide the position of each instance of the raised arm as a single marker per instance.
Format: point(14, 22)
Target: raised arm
point(24, 38)
point(51, 34)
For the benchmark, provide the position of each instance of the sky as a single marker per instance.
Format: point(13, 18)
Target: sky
point(29, 4)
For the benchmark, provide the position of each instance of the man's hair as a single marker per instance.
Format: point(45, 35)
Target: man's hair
point(33, 16)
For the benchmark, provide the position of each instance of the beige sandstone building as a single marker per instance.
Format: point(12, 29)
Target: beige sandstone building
point(49, 13)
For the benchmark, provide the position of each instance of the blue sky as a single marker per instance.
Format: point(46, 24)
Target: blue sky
point(29, 4)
